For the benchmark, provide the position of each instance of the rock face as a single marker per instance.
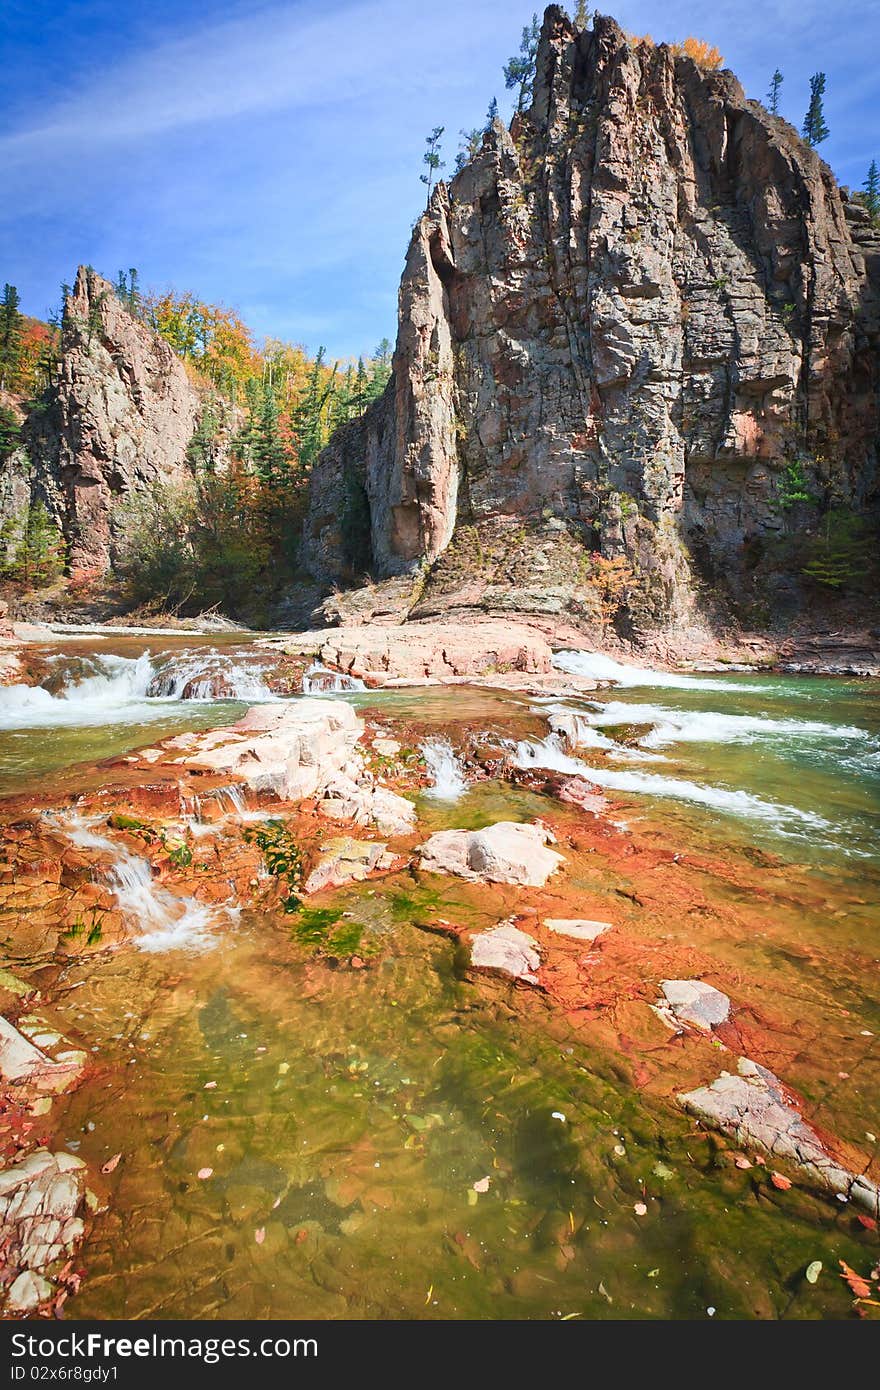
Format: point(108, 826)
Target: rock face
point(618, 326)
point(123, 414)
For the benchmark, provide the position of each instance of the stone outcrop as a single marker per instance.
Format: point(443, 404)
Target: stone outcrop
point(426, 650)
point(122, 415)
point(299, 750)
point(619, 324)
point(42, 1203)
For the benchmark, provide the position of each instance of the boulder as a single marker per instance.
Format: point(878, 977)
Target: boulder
point(507, 852)
point(420, 650)
point(695, 1002)
point(507, 950)
point(754, 1107)
point(302, 749)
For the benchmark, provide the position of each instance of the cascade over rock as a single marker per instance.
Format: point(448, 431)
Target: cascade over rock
point(619, 325)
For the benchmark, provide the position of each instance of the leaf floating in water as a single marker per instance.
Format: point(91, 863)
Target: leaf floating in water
point(640, 1209)
point(428, 1295)
point(781, 1182)
point(204, 1173)
point(210, 1085)
point(260, 1234)
point(111, 1164)
point(742, 1162)
point(605, 1294)
point(859, 1287)
point(813, 1270)
point(482, 1185)
point(661, 1171)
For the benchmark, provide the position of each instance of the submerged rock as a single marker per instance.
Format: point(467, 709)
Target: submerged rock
point(754, 1107)
point(345, 860)
point(695, 1002)
point(506, 949)
point(507, 852)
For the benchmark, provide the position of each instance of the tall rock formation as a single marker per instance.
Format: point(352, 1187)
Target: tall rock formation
point(619, 326)
point(121, 416)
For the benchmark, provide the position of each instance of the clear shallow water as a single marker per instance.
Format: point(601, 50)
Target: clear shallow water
point(346, 1116)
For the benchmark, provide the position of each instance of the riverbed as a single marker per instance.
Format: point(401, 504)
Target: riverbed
point(300, 1138)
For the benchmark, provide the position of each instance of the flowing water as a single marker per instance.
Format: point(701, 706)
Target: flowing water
point(400, 1141)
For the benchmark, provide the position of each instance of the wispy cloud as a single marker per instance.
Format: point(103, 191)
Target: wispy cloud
point(278, 59)
point(267, 152)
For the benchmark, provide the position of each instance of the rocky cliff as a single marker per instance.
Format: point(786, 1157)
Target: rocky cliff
point(119, 418)
point(621, 327)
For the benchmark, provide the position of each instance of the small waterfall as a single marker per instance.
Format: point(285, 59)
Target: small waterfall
point(448, 781)
point(165, 922)
point(234, 795)
point(121, 689)
point(211, 676)
point(320, 680)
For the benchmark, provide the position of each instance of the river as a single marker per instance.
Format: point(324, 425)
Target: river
point(402, 1141)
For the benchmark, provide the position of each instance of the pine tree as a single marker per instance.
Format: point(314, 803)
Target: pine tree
point(431, 157)
point(268, 453)
point(308, 417)
point(473, 140)
point(581, 15)
point(815, 130)
point(871, 193)
point(773, 94)
point(491, 114)
point(10, 433)
point(520, 70)
point(11, 324)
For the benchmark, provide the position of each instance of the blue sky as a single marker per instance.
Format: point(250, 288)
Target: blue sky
point(267, 155)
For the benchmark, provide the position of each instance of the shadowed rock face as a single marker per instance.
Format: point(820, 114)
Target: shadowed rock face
point(617, 325)
point(123, 414)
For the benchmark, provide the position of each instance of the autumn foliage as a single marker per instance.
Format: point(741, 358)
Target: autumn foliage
point(705, 55)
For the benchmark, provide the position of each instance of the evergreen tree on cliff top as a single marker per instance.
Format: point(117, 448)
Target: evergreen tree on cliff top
point(10, 336)
point(773, 95)
point(871, 191)
point(815, 129)
point(520, 70)
point(431, 157)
